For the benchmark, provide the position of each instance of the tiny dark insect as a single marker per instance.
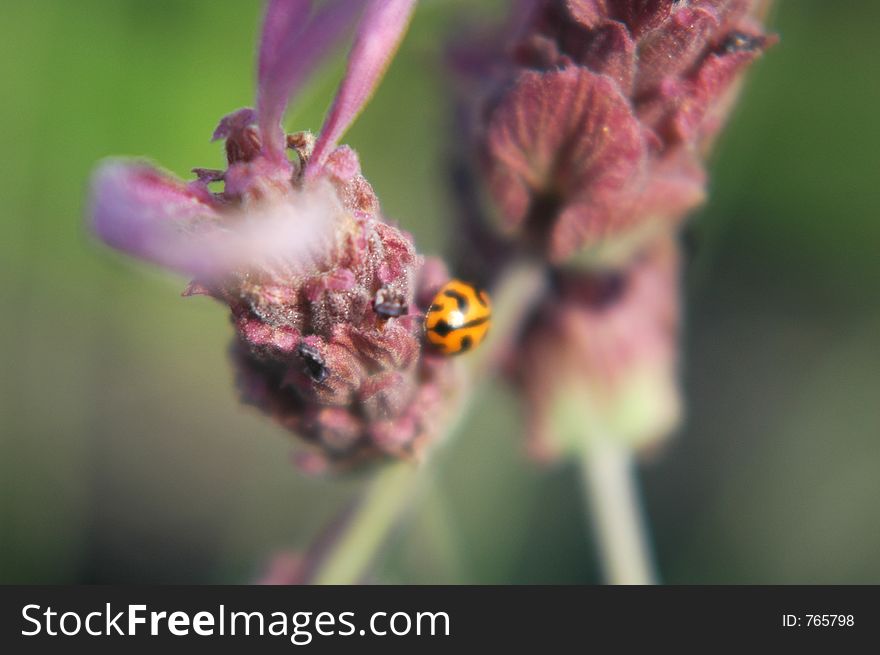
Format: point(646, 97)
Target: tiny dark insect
point(742, 42)
point(314, 362)
point(389, 304)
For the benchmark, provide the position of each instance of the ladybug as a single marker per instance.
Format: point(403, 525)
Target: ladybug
point(458, 318)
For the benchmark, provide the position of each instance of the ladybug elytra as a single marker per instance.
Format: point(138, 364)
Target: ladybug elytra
point(458, 318)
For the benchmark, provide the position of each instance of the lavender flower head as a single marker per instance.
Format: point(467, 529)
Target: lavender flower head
point(591, 120)
point(325, 295)
point(592, 137)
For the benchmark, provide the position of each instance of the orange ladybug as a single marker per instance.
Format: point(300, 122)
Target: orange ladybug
point(458, 318)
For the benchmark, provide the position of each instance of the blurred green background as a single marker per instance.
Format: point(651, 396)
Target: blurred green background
point(124, 456)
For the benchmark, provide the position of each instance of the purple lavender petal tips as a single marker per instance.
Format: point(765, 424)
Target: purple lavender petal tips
point(381, 30)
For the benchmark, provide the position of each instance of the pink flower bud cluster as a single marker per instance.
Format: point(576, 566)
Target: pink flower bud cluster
point(326, 296)
point(596, 132)
point(333, 350)
point(591, 139)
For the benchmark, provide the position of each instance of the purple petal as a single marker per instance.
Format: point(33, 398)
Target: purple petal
point(144, 212)
point(148, 214)
point(297, 53)
point(284, 19)
point(380, 33)
point(234, 122)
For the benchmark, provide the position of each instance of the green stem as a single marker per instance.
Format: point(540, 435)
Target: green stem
point(388, 496)
point(395, 486)
point(609, 483)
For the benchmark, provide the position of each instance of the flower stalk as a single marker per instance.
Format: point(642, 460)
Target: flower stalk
point(391, 492)
point(609, 483)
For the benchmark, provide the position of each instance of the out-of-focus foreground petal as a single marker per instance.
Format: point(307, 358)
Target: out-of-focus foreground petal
point(284, 19)
point(146, 213)
point(142, 211)
point(379, 35)
point(297, 53)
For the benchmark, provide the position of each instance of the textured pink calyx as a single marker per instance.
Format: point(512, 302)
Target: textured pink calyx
point(380, 33)
point(572, 170)
point(562, 146)
point(674, 47)
point(357, 388)
point(643, 15)
point(638, 15)
point(588, 13)
point(612, 52)
point(693, 108)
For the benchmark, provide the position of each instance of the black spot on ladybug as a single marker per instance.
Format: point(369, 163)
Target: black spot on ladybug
point(314, 362)
point(466, 343)
point(474, 323)
point(442, 328)
point(434, 308)
point(460, 300)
